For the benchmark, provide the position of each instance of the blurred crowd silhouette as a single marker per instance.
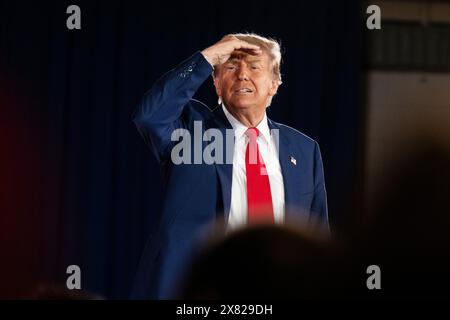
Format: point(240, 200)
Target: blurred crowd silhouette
point(405, 231)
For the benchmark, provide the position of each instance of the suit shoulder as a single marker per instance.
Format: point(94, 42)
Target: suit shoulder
point(195, 110)
point(297, 135)
point(200, 106)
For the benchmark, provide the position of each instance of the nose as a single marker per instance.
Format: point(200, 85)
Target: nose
point(242, 73)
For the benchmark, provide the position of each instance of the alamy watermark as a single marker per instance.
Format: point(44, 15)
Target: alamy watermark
point(374, 20)
point(211, 146)
point(74, 279)
point(74, 20)
point(374, 280)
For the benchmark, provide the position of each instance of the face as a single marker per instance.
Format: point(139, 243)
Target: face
point(246, 82)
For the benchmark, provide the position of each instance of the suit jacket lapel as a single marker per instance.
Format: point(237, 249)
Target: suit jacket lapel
point(224, 170)
point(290, 163)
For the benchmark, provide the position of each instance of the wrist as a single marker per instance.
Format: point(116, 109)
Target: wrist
point(209, 57)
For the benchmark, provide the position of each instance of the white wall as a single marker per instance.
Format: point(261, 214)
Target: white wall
point(399, 106)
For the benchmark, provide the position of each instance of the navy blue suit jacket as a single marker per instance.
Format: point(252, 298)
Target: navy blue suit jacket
point(198, 194)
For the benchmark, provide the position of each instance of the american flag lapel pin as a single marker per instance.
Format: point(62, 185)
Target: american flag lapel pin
point(293, 161)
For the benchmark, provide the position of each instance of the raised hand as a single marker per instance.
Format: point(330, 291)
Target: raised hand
point(220, 52)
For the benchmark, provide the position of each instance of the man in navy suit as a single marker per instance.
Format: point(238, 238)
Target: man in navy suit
point(262, 172)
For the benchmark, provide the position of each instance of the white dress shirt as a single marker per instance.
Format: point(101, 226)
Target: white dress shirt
point(267, 147)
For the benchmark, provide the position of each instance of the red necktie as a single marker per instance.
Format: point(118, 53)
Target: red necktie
point(259, 197)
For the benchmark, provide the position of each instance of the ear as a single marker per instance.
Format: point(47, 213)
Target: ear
point(217, 85)
point(273, 87)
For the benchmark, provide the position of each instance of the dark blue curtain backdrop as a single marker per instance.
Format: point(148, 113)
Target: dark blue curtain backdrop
point(78, 185)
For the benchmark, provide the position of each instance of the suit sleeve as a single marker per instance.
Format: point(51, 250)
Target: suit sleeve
point(160, 110)
point(319, 204)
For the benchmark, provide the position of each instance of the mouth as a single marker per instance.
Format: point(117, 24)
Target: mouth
point(243, 90)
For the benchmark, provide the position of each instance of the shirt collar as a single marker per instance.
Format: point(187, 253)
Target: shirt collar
point(239, 128)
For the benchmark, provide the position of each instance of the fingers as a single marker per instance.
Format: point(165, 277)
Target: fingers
point(253, 52)
point(221, 51)
point(243, 45)
point(248, 46)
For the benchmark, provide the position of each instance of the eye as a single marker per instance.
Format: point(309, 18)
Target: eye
point(254, 67)
point(230, 67)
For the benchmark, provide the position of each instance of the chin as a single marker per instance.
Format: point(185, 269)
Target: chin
point(242, 103)
point(241, 106)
